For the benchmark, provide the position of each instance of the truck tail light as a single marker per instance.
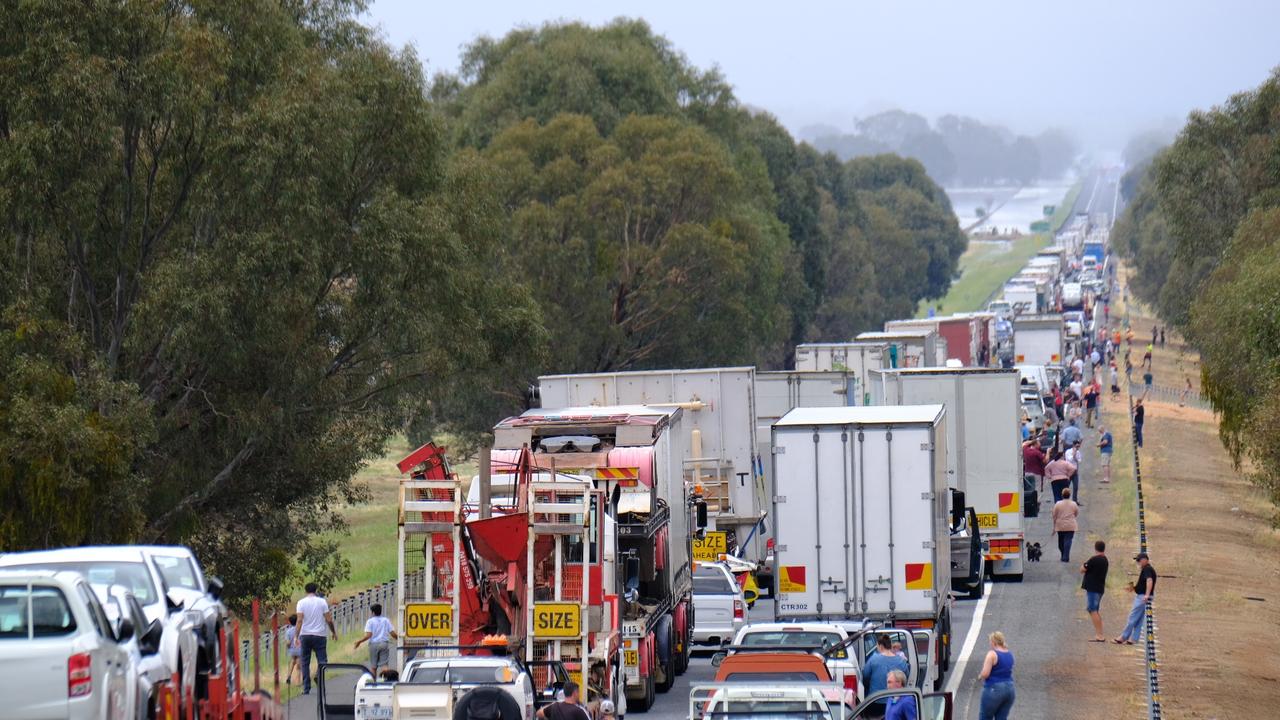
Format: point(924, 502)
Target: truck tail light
point(739, 612)
point(79, 675)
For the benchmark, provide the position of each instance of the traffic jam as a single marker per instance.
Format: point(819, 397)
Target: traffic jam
point(626, 522)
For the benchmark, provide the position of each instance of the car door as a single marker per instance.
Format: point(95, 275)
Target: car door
point(336, 690)
point(929, 706)
point(111, 661)
point(896, 635)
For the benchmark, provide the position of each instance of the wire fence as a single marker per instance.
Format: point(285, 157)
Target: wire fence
point(1152, 664)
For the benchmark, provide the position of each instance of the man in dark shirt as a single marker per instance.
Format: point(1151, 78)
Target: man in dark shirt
point(1143, 591)
point(1090, 404)
point(1139, 415)
point(1095, 584)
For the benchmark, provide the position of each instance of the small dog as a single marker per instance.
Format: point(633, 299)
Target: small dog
point(1033, 552)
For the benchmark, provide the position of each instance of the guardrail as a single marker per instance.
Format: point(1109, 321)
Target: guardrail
point(1149, 625)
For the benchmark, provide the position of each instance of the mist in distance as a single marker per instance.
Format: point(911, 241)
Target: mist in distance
point(1102, 71)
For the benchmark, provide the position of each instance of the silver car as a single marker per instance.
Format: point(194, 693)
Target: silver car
point(719, 610)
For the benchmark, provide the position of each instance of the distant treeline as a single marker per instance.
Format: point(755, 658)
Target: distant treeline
point(1202, 229)
point(247, 243)
point(956, 150)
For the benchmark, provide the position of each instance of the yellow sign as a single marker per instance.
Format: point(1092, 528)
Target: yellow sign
point(428, 620)
point(791, 578)
point(631, 657)
point(708, 549)
point(557, 620)
point(988, 520)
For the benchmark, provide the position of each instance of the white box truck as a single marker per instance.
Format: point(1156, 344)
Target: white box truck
point(719, 429)
point(854, 357)
point(861, 508)
point(920, 347)
point(1023, 296)
point(985, 447)
point(1038, 339)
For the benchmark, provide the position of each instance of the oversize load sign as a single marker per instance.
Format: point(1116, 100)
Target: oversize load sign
point(708, 549)
point(428, 620)
point(557, 620)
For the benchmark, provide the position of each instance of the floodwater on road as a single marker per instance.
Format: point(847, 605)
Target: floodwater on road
point(1017, 208)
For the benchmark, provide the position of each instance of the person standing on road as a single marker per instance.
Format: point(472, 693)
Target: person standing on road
point(1105, 448)
point(1146, 381)
point(1139, 417)
point(997, 676)
point(1059, 473)
point(1074, 455)
point(313, 616)
point(876, 672)
point(1095, 584)
point(1065, 512)
point(378, 632)
point(1186, 392)
point(290, 634)
point(1162, 336)
point(902, 707)
point(567, 709)
point(1143, 591)
point(1033, 462)
point(1146, 357)
point(1090, 404)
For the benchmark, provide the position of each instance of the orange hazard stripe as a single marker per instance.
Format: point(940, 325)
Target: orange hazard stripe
point(611, 473)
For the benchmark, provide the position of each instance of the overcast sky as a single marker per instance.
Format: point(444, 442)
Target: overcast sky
point(1102, 68)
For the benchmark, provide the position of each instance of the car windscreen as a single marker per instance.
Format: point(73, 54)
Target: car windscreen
point(712, 582)
point(795, 638)
point(463, 674)
point(38, 611)
point(131, 575)
point(178, 572)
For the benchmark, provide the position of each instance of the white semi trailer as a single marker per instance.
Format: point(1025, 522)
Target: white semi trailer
point(985, 458)
point(862, 514)
point(719, 435)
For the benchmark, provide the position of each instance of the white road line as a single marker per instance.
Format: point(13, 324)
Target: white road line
point(1088, 208)
point(1115, 204)
point(970, 639)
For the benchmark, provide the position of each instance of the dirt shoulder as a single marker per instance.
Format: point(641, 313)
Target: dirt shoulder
point(1218, 601)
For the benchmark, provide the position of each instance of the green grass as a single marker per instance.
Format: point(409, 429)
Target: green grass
point(985, 266)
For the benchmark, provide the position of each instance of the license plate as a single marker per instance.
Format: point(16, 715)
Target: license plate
point(377, 712)
point(631, 657)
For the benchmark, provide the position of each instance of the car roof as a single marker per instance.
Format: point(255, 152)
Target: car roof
point(766, 662)
point(100, 553)
point(463, 660)
point(63, 576)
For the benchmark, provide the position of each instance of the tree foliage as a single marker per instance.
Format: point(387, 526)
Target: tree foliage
point(1203, 230)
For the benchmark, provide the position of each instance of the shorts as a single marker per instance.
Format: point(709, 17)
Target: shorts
point(1092, 601)
point(379, 655)
point(1106, 459)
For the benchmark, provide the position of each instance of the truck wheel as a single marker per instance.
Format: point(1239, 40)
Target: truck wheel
point(666, 639)
point(645, 701)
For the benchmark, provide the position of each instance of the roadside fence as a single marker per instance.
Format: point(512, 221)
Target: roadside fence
point(1154, 710)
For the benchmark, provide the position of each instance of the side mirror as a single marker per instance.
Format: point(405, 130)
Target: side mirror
point(149, 644)
point(718, 658)
point(702, 514)
point(124, 631)
point(957, 508)
point(214, 588)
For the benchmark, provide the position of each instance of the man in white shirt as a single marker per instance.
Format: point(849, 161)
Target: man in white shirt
point(313, 616)
point(378, 632)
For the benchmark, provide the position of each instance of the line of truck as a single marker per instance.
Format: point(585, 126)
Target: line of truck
point(868, 486)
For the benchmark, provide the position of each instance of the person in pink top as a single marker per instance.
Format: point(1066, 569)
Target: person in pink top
point(1059, 471)
point(1065, 512)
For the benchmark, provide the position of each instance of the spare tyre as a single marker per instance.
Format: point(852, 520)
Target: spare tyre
point(487, 703)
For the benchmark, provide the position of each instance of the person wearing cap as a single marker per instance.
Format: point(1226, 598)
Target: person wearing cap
point(1143, 591)
point(607, 710)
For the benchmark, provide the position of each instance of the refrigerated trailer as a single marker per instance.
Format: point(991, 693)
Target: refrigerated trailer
point(914, 347)
point(985, 447)
point(718, 428)
point(862, 510)
point(854, 357)
point(961, 333)
point(1038, 339)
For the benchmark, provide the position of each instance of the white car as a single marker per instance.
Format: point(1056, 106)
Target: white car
point(59, 657)
point(146, 668)
point(462, 673)
point(811, 635)
point(167, 582)
point(719, 609)
point(733, 701)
